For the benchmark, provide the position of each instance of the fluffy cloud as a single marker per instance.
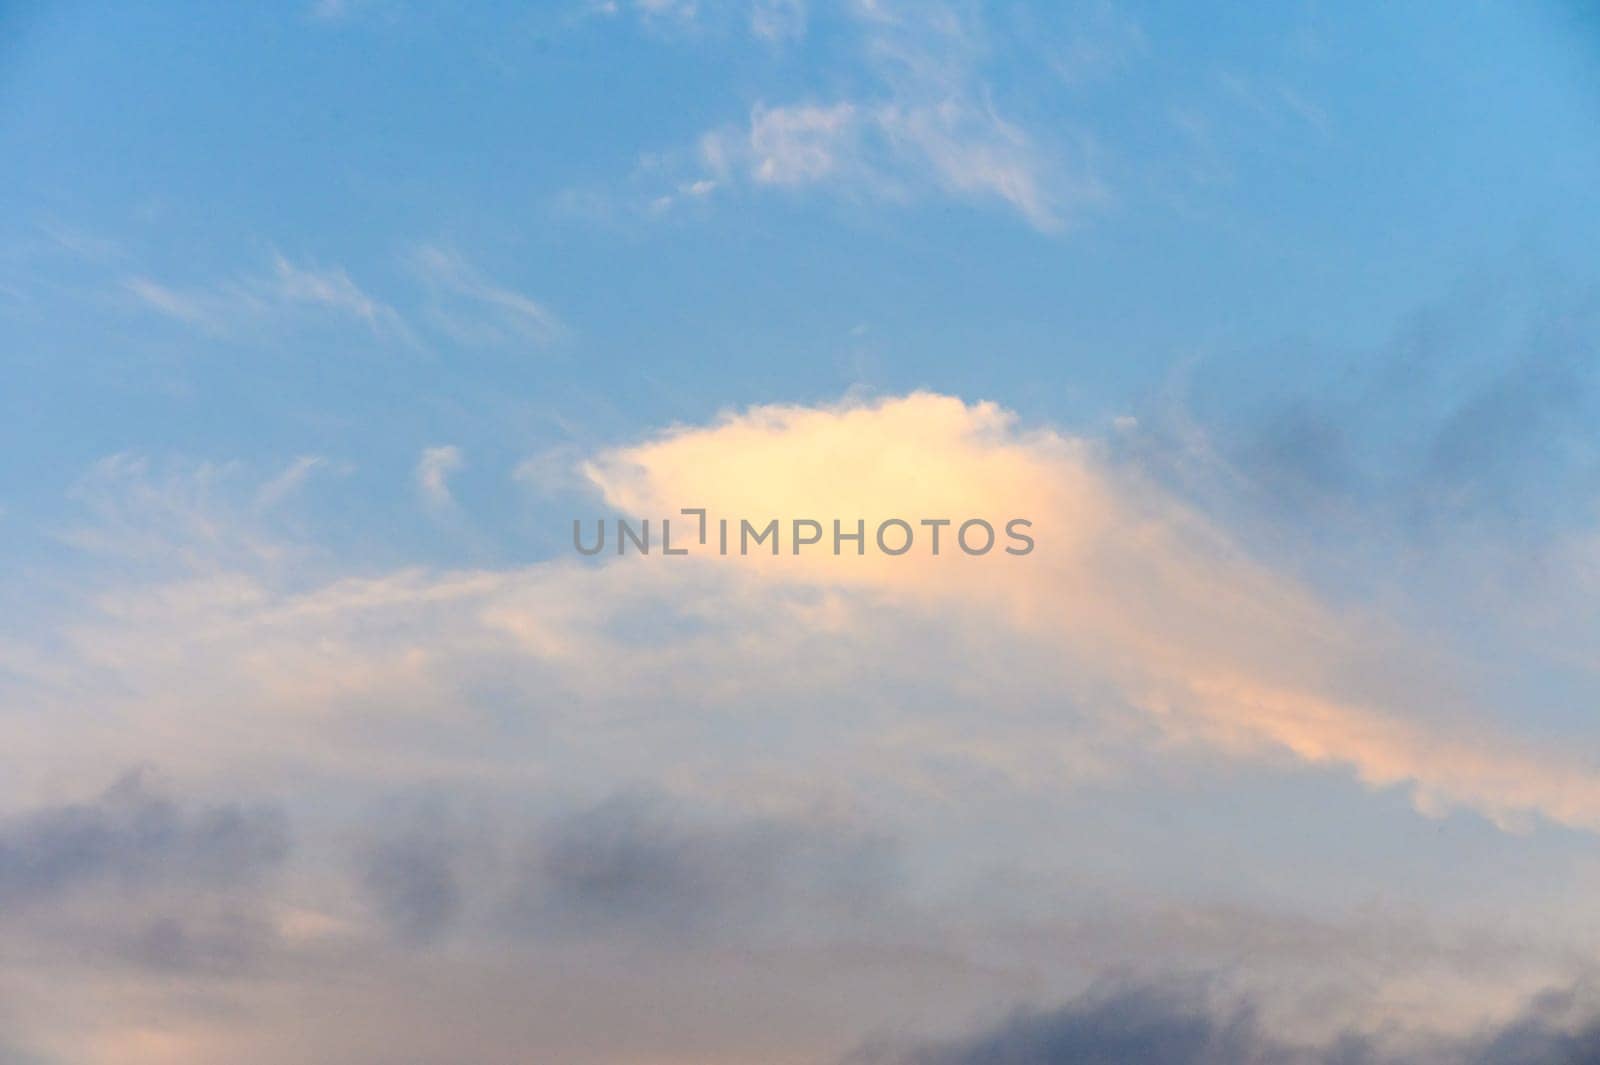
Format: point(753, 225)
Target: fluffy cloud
point(1128, 585)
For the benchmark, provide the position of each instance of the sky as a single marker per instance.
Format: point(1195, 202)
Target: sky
point(322, 323)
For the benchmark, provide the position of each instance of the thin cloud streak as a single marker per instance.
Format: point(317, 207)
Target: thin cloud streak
point(470, 308)
point(234, 308)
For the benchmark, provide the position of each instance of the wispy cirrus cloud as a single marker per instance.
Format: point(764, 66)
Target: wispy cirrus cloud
point(458, 304)
point(920, 122)
point(472, 308)
point(137, 510)
point(286, 291)
point(293, 478)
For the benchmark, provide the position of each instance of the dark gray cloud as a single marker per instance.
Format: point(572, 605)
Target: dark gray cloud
point(1163, 1026)
point(633, 860)
point(1516, 438)
point(130, 836)
point(1558, 1028)
point(212, 943)
point(1146, 1025)
point(643, 863)
point(1478, 409)
point(637, 864)
point(413, 867)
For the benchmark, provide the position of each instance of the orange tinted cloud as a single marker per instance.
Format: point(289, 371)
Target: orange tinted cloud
point(1128, 585)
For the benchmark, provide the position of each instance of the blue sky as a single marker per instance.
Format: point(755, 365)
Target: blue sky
point(320, 322)
point(1274, 191)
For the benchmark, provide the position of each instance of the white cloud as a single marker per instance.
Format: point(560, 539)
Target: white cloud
point(176, 511)
point(778, 20)
point(193, 307)
point(1097, 39)
point(681, 9)
point(434, 469)
point(285, 291)
point(1128, 586)
point(332, 290)
point(553, 470)
point(459, 302)
point(653, 14)
point(1134, 610)
point(474, 309)
point(931, 127)
point(293, 477)
point(799, 145)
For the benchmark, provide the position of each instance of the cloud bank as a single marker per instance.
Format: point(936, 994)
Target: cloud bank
point(780, 772)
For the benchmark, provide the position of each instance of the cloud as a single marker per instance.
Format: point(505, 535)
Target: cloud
point(830, 784)
point(1142, 617)
point(778, 20)
point(1473, 411)
point(1085, 43)
point(626, 861)
point(458, 303)
point(679, 9)
point(1140, 1024)
point(191, 308)
point(412, 868)
point(330, 10)
point(224, 942)
point(471, 309)
point(433, 475)
point(133, 878)
point(892, 149)
point(551, 471)
point(927, 124)
point(334, 291)
point(130, 837)
point(1179, 1025)
point(1139, 612)
point(199, 513)
point(293, 477)
point(287, 293)
point(793, 145)
point(1128, 584)
point(640, 864)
